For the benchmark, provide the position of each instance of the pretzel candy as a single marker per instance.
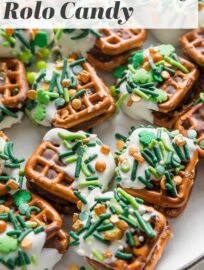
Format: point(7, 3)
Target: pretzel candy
point(156, 80)
point(13, 88)
point(30, 232)
point(11, 177)
point(113, 240)
point(159, 167)
point(27, 45)
point(105, 49)
point(56, 172)
point(193, 45)
point(193, 120)
point(78, 97)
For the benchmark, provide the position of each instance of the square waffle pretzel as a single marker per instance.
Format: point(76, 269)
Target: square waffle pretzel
point(178, 86)
point(168, 120)
point(48, 217)
point(193, 45)
point(117, 41)
point(193, 119)
point(45, 175)
point(160, 200)
point(115, 46)
point(12, 77)
point(146, 256)
point(96, 105)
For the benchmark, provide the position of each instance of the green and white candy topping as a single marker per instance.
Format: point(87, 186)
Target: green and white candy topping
point(155, 156)
point(21, 240)
point(85, 159)
point(108, 224)
point(139, 82)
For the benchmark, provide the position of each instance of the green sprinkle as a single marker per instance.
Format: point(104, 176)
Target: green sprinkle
point(21, 221)
point(98, 255)
point(120, 101)
point(178, 151)
point(72, 136)
point(140, 93)
point(186, 151)
point(7, 111)
point(32, 209)
point(157, 153)
point(128, 197)
point(38, 230)
point(101, 238)
point(91, 178)
point(130, 239)
point(80, 197)
point(90, 158)
point(91, 168)
point(148, 159)
point(143, 224)
point(78, 94)
point(121, 137)
point(66, 95)
point(71, 159)
point(24, 234)
point(64, 70)
point(53, 81)
point(105, 227)
point(78, 61)
point(66, 154)
point(85, 170)
point(124, 256)
point(176, 64)
point(74, 235)
point(134, 170)
point(90, 183)
point(145, 182)
point(67, 144)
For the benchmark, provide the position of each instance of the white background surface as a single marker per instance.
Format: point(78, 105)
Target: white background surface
point(188, 242)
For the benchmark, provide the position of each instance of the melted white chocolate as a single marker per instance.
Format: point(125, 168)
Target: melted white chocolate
point(46, 258)
point(81, 46)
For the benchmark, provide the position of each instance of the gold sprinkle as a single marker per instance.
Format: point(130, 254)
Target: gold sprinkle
point(100, 209)
point(177, 179)
point(32, 94)
point(105, 149)
point(120, 144)
point(76, 104)
point(165, 74)
point(135, 98)
point(26, 244)
point(12, 184)
point(100, 166)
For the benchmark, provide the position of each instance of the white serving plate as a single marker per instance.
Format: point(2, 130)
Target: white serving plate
point(187, 245)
